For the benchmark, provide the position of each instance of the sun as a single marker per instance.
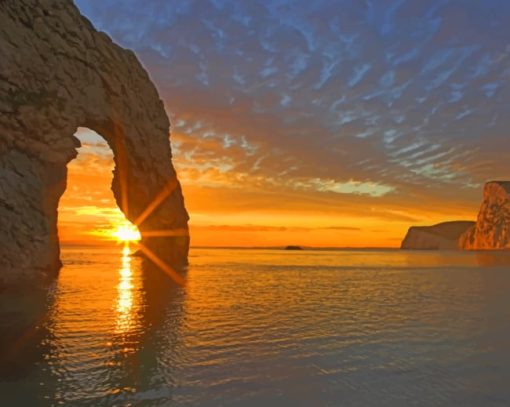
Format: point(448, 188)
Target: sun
point(126, 232)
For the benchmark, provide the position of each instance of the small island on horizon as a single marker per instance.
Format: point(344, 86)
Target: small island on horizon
point(293, 247)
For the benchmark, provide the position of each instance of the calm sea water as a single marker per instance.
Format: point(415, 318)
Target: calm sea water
point(261, 328)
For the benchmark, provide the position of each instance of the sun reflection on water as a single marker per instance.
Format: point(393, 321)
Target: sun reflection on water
point(125, 306)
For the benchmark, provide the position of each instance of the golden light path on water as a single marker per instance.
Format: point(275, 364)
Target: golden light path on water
point(125, 299)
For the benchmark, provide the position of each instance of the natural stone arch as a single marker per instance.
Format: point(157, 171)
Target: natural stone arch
point(57, 73)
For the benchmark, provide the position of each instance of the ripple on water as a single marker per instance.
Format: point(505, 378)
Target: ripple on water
point(256, 327)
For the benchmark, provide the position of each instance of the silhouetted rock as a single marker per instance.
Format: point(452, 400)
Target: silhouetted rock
point(444, 236)
point(138, 253)
point(293, 247)
point(57, 73)
point(492, 229)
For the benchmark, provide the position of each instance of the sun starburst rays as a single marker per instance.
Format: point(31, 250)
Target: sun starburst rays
point(157, 201)
point(129, 232)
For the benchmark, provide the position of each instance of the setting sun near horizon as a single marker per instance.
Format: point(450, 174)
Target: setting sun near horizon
point(126, 232)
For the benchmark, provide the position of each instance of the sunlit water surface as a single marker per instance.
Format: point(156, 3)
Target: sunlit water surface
point(263, 327)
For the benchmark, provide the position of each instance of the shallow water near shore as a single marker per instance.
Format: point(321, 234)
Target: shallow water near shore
point(263, 327)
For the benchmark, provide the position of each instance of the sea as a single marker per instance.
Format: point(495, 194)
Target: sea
point(262, 327)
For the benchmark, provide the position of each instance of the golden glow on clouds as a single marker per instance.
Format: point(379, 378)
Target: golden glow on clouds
point(235, 209)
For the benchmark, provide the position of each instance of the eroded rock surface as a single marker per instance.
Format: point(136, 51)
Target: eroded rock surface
point(444, 236)
point(492, 229)
point(57, 73)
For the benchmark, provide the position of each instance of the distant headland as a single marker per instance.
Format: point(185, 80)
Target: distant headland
point(491, 231)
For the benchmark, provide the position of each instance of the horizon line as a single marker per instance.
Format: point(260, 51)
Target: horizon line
point(303, 247)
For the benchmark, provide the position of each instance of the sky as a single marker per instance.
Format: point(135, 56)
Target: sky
point(319, 123)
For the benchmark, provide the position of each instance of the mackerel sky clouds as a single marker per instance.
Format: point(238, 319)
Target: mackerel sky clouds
point(389, 104)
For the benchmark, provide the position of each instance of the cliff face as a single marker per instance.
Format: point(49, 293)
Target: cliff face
point(57, 73)
point(443, 236)
point(492, 229)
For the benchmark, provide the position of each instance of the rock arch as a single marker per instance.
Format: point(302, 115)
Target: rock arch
point(57, 73)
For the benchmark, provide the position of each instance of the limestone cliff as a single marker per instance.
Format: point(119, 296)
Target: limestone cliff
point(492, 229)
point(57, 73)
point(443, 236)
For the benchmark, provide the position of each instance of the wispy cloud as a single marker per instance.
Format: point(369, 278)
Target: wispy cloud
point(397, 101)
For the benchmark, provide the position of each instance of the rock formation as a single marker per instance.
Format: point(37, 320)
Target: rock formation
point(444, 236)
point(492, 229)
point(490, 232)
point(57, 73)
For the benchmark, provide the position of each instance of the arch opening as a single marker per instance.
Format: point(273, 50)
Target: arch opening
point(88, 213)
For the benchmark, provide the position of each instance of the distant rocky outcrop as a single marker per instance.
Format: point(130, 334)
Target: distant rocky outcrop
point(492, 229)
point(444, 236)
point(293, 247)
point(57, 73)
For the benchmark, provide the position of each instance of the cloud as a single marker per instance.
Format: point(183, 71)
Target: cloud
point(266, 228)
point(398, 101)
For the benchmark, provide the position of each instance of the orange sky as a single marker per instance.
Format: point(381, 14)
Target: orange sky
point(228, 211)
point(298, 125)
